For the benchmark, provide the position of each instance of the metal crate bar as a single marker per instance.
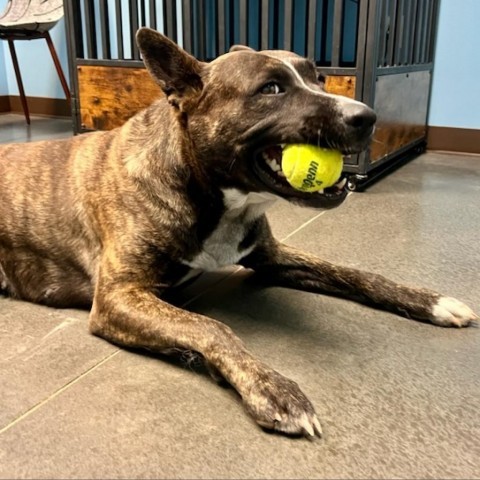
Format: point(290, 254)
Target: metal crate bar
point(152, 8)
point(418, 31)
point(170, 19)
point(337, 32)
point(426, 31)
point(75, 29)
point(391, 32)
point(322, 59)
point(198, 31)
point(221, 45)
point(89, 21)
point(243, 22)
point(119, 26)
point(311, 24)
point(399, 33)
point(383, 10)
point(264, 23)
point(187, 26)
point(431, 31)
point(288, 25)
point(133, 10)
point(105, 29)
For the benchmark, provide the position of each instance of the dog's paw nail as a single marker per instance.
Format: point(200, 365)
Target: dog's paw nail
point(450, 312)
point(307, 426)
point(317, 427)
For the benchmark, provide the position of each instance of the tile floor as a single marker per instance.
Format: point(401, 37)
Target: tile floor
point(397, 398)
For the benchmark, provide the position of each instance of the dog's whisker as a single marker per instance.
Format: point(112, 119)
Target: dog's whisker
point(231, 164)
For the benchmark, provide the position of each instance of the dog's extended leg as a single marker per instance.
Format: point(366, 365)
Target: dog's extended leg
point(132, 316)
point(281, 265)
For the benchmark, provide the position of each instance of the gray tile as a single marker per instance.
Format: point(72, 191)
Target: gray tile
point(42, 350)
point(397, 398)
point(14, 129)
point(136, 417)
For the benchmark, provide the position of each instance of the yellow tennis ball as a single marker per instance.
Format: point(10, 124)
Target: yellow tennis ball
point(309, 169)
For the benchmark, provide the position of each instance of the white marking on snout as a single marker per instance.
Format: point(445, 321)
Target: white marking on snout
point(339, 98)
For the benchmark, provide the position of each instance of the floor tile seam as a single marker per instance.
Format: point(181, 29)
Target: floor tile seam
point(62, 389)
point(308, 222)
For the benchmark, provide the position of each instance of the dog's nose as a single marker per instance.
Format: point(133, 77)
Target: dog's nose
point(359, 117)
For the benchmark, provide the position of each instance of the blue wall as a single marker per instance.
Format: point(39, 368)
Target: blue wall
point(38, 72)
point(455, 100)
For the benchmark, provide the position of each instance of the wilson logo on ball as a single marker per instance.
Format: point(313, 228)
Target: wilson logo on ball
point(309, 181)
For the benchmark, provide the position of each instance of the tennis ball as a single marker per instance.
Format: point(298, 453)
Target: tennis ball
point(310, 169)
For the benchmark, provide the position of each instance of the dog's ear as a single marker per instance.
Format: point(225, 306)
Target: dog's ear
point(239, 48)
point(177, 72)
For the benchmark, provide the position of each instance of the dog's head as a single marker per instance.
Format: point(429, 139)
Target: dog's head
point(242, 108)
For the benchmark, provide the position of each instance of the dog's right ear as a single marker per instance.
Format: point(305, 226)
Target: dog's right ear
point(239, 48)
point(177, 72)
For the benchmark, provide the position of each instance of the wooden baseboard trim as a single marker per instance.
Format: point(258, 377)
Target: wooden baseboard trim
point(51, 107)
point(466, 140)
point(4, 103)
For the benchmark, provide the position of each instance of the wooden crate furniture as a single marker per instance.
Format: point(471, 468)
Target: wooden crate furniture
point(376, 51)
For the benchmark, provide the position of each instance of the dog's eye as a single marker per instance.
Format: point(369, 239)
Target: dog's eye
point(271, 88)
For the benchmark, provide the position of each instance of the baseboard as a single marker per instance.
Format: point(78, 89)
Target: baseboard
point(52, 107)
point(4, 103)
point(466, 140)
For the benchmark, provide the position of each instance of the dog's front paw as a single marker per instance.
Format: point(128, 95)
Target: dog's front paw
point(277, 403)
point(450, 312)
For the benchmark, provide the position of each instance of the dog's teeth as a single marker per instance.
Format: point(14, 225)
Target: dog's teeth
point(341, 183)
point(320, 191)
point(281, 174)
point(273, 164)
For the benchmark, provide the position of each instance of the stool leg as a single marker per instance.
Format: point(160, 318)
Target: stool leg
point(23, 99)
point(56, 61)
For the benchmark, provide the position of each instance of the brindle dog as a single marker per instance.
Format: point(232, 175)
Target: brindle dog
point(111, 220)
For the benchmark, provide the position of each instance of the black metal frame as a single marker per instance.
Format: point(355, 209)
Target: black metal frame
point(392, 37)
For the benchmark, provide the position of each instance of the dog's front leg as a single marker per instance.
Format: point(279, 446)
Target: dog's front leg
point(132, 316)
point(282, 265)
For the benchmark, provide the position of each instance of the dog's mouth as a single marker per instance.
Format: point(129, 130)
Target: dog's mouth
point(267, 167)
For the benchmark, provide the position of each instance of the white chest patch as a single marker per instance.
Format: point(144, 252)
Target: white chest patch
point(222, 247)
